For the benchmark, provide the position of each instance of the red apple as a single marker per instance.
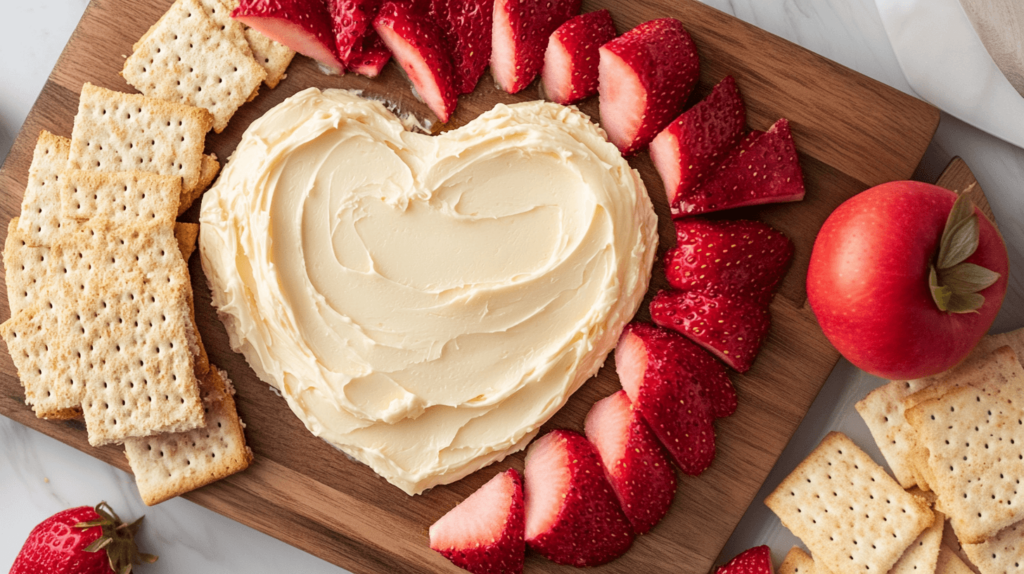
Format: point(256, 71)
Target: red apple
point(870, 279)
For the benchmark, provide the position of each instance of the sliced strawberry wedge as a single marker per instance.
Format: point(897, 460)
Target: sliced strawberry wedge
point(656, 369)
point(520, 35)
point(370, 57)
point(570, 62)
point(350, 20)
point(417, 43)
point(729, 326)
point(693, 145)
point(302, 25)
point(645, 77)
point(484, 533)
point(467, 25)
point(764, 168)
point(572, 514)
point(757, 560)
point(746, 257)
point(634, 461)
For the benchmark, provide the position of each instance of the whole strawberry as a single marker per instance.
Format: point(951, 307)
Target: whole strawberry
point(81, 540)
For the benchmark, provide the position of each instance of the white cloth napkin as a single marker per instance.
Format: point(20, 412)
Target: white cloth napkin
point(947, 64)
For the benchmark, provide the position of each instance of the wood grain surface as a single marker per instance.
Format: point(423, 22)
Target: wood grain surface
point(851, 131)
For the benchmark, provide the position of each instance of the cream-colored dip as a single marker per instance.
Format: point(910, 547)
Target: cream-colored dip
point(425, 303)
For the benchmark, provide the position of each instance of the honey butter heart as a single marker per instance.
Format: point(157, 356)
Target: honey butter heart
point(425, 303)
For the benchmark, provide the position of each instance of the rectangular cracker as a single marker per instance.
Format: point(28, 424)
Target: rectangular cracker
point(210, 169)
point(40, 215)
point(26, 268)
point(973, 432)
point(923, 554)
point(120, 198)
point(1001, 554)
point(851, 514)
point(882, 411)
point(189, 59)
point(31, 342)
point(799, 562)
point(170, 465)
point(273, 56)
point(115, 131)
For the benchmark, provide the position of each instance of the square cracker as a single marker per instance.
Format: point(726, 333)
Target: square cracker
point(130, 132)
point(273, 56)
point(120, 198)
point(169, 465)
point(40, 214)
point(799, 562)
point(25, 266)
point(923, 554)
point(851, 514)
point(950, 563)
point(882, 411)
point(1001, 554)
point(31, 342)
point(189, 59)
point(973, 429)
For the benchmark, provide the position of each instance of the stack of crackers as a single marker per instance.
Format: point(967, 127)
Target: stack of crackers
point(955, 443)
point(103, 319)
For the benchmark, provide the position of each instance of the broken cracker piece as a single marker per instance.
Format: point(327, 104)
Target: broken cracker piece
point(40, 206)
point(1001, 554)
point(950, 563)
point(25, 266)
point(799, 562)
point(211, 167)
point(923, 554)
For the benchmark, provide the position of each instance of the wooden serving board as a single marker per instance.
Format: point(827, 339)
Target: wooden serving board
point(852, 133)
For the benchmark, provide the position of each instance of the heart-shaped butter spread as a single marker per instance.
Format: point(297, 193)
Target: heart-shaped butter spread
point(425, 303)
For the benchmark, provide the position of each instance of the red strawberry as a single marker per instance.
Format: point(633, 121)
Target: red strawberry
point(369, 58)
point(570, 62)
point(730, 326)
point(350, 20)
point(691, 147)
point(634, 462)
point(484, 533)
point(757, 560)
point(745, 257)
point(520, 35)
point(646, 75)
point(762, 169)
point(656, 369)
point(417, 42)
point(572, 514)
point(302, 25)
point(81, 540)
point(467, 25)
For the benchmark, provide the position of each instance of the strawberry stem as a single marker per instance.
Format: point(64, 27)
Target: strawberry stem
point(117, 538)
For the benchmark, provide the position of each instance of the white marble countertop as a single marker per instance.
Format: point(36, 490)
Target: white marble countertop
point(40, 476)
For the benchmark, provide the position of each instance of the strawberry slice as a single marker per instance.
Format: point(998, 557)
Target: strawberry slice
point(417, 43)
point(484, 533)
point(467, 25)
point(729, 326)
point(764, 168)
point(520, 35)
point(302, 25)
point(369, 58)
point(746, 257)
point(693, 145)
point(656, 369)
point(570, 62)
point(572, 514)
point(350, 20)
point(634, 462)
point(757, 560)
point(645, 77)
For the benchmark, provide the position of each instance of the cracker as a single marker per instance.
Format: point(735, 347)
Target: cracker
point(120, 198)
point(273, 56)
point(209, 172)
point(188, 59)
point(186, 234)
point(25, 266)
point(33, 348)
point(40, 216)
point(923, 554)
point(1001, 554)
point(950, 563)
point(799, 562)
point(169, 465)
point(973, 430)
point(125, 132)
point(851, 514)
point(882, 411)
